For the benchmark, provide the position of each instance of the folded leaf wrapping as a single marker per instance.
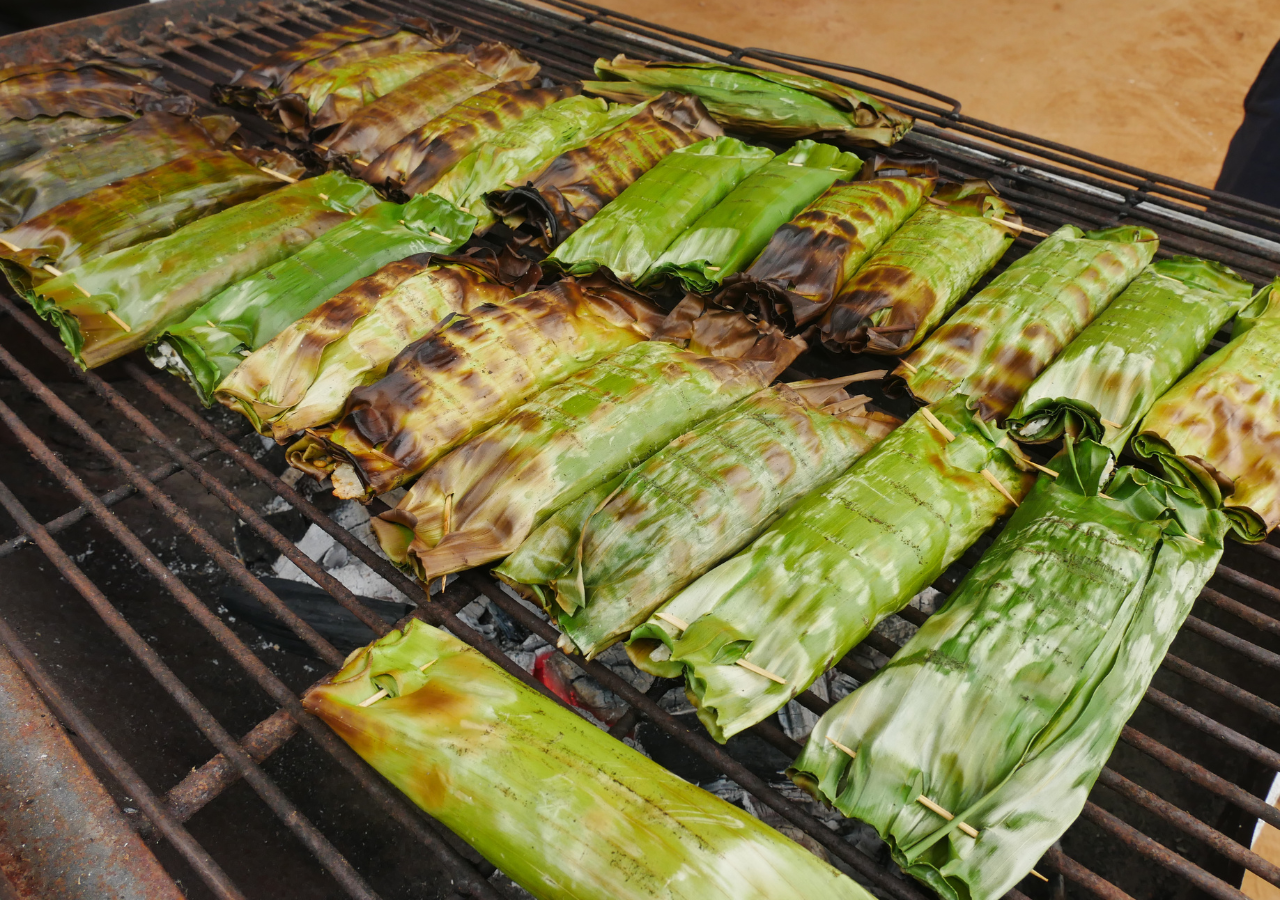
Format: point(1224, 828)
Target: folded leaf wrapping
point(1005, 705)
point(575, 185)
point(798, 274)
point(780, 105)
point(921, 273)
point(454, 383)
point(478, 503)
point(151, 286)
point(127, 212)
point(603, 563)
point(569, 812)
point(92, 88)
point(820, 578)
point(1218, 429)
point(628, 235)
point(1106, 379)
point(23, 138)
point(301, 378)
point(995, 345)
point(206, 346)
point(726, 238)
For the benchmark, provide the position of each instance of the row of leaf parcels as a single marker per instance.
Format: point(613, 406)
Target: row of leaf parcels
point(1005, 705)
point(844, 557)
point(568, 811)
point(603, 563)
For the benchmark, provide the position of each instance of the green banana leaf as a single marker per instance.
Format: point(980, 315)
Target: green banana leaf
point(575, 185)
point(628, 235)
point(23, 138)
point(995, 345)
point(132, 210)
point(206, 346)
point(77, 167)
point(301, 378)
point(1100, 387)
point(921, 273)
point(1005, 705)
point(374, 128)
point(568, 811)
point(603, 563)
point(122, 301)
point(452, 384)
point(798, 274)
point(1218, 430)
point(816, 583)
point(726, 238)
point(478, 503)
point(91, 88)
point(762, 102)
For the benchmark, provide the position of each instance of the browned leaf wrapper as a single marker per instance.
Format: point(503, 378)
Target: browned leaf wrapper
point(898, 164)
point(575, 185)
point(92, 88)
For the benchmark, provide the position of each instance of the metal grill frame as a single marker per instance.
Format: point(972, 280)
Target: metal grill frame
point(203, 41)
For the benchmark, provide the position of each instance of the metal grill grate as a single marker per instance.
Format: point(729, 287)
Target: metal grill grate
point(1204, 736)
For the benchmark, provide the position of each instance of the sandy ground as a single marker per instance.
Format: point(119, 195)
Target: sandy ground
point(1157, 84)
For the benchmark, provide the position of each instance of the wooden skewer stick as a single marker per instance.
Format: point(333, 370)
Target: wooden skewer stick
point(1191, 538)
point(930, 805)
point(1110, 424)
point(1023, 228)
point(1038, 875)
point(56, 273)
point(906, 365)
point(841, 381)
point(438, 236)
point(10, 247)
point(713, 268)
point(853, 754)
point(752, 667)
point(937, 425)
point(510, 183)
point(324, 197)
point(119, 321)
point(283, 177)
point(854, 401)
point(382, 693)
point(323, 147)
point(82, 290)
point(1105, 496)
point(674, 620)
point(995, 483)
point(1017, 453)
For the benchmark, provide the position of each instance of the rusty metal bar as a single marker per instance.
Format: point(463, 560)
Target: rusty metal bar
point(1240, 610)
point(1058, 861)
point(1221, 686)
point(1232, 642)
point(1229, 736)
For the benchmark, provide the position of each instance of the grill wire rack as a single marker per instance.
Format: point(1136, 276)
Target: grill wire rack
point(1172, 815)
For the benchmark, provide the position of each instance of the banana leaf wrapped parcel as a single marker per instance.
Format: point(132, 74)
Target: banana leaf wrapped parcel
point(922, 272)
point(1102, 385)
point(570, 812)
point(762, 102)
point(481, 501)
point(120, 302)
point(629, 235)
point(995, 345)
point(454, 383)
point(206, 346)
point(840, 560)
point(22, 139)
point(603, 563)
point(301, 378)
point(1005, 705)
point(90, 88)
point(1218, 429)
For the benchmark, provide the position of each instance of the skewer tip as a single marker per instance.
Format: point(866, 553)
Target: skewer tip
point(289, 179)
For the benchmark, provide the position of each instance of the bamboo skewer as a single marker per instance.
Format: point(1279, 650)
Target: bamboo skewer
point(10, 247)
point(1109, 423)
point(930, 805)
point(382, 693)
point(752, 667)
point(119, 321)
point(674, 620)
point(936, 424)
point(283, 177)
point(852, 754)
point(56, 273)
point(82, 290)
point(854, 401)
point(1019, 227)
point(906, 365)
point(1016, 452)
point(995, 483)
point(438, 236)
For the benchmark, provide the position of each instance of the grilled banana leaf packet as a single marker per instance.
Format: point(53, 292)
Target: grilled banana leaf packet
point(1218, 430)
point(796, 277)
point(213, 340)
point(575, 185)
point(454, 383)
point(759, 102)
point(301, 378)
point(124, 300)
point(602, 564)
point(1005, 705)
point(1106, 379)
point(726, 238)
point(844, 557)
point(922, 272)
point(570, 811)
point(21, 139)
point(629, 235)
point(995, 345)
point(479, 503)
point(90, 88)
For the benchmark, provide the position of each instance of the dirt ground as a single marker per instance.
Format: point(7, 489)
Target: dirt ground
point(1157, 84)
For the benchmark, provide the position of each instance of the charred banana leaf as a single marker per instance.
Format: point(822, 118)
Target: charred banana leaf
point(23, 138)
point(1102, 385)
point(91, 88)
point(922, 272)
point(780, 105)
point(575, 185)
point(995, 345)
point(808, 260)
point(602, 564)
point(214, 339)
point(629, 235)
point(570, 811)
point(124, 300)
point(1218, 429)
point(726, 238)
point(1005, 705)
point(840, 560)
point(454, 383)
point(301, 378)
